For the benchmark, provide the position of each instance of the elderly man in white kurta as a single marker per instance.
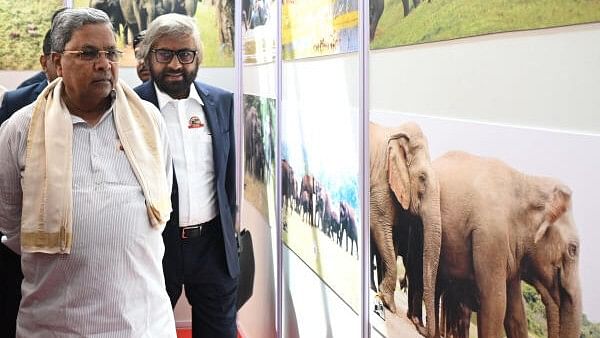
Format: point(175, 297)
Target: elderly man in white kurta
point(85, 194)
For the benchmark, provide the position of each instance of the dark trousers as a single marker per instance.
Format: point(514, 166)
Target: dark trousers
point(199, 263)
point(10, 291)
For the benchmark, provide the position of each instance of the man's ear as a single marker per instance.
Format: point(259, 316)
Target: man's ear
point(56, 60)
point(43, 59)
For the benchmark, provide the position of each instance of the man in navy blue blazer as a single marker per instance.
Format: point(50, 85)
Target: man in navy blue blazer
point(201, 250)
point(16, 99)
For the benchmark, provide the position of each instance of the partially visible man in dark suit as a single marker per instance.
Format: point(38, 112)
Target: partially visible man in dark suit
point(10, 263)
point(16, 99)
point(200, 240)
point(34, 79)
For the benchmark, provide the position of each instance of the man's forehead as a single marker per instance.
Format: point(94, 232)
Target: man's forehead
point(94, 35)
point(169, 41)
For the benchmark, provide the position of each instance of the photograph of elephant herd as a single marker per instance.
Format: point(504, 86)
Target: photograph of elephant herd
point(318, 28)
point(259, 154)
point(405, 22)
point(492, 238)
point(214, 19)
point(320, 206)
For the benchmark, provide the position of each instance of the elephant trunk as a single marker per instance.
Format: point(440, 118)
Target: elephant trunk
point(570, 312)
point(432, 240)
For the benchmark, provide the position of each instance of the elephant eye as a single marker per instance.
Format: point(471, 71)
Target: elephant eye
point(422, 177)
point(572, 250)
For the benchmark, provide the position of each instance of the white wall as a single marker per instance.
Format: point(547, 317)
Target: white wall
point(548, 78)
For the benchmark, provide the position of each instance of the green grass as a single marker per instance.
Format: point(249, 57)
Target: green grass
point(214, 55)
point(23, 52)
point(449, 19)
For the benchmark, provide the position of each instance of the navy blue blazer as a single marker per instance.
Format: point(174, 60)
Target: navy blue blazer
point(35, 79)
point(16, 99)
point(218, 107)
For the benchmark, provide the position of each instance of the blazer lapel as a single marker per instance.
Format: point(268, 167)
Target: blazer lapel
point(209, 109)
point(214, 124)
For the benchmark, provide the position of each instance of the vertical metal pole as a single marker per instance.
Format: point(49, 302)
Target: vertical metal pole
point(68, 3)
point(363, 53)
point(238, 105)
point(278, 218)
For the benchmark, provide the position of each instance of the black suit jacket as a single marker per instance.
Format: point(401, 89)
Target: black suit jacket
point(218, 108)
point(19, 98)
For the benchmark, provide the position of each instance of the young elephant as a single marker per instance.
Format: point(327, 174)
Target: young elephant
point(502, 226)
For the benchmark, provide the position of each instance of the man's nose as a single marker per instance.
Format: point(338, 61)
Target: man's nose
point(175, 64)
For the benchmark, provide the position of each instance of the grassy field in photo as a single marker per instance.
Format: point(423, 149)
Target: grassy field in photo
point(332, 263)
point(438, 20)
point(23, 25)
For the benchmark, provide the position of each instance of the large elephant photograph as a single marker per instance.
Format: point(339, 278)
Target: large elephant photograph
point(22, 30)
point(259, 154)
point(482, 230)
point(321, 214)
point(214, 19)
point(318, 28)
point(406, 22)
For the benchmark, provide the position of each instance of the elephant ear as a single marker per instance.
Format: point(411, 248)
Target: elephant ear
point(397, 165)
point(558, 203)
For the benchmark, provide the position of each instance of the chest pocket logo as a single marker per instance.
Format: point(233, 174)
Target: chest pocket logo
point(195, 122)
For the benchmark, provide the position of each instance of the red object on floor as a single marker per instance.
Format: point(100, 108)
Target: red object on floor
point(187, 333)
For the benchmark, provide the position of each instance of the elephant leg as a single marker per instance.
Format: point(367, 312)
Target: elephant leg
point(489, 263)
point(515, 321)
point(406, 6)
point(385, 246)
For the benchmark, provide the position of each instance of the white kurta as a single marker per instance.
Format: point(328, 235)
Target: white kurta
point(112, 284)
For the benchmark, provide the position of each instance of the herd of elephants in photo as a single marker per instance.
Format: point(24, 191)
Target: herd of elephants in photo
point(469, 231)
point(307, 197)
point(130, 17)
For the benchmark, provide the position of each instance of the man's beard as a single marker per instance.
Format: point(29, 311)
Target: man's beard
point(175, 89)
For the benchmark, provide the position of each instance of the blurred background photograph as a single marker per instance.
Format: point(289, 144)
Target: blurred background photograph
point(259, 155)
point(214, 19)
point(22, 30)
point(318, 28)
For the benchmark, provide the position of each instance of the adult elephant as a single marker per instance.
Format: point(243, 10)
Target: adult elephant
point(112, 8)
point(403, 180)
point(502, 226)
point(348, 225)
point(138, 14)
point(185, 7)
point(307, 193)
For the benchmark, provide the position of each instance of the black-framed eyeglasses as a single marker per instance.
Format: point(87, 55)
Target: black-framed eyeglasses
point(90, 55)
point(184, 56)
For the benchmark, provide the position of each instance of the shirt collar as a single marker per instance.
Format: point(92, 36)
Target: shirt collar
point(164, 98)
point(76, 119)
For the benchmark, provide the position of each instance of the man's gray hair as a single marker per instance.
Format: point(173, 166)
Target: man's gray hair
point(175, 26)
point(71, 19)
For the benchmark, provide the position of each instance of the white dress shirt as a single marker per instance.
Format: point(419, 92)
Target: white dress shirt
point(191, 146)
point(111, 285)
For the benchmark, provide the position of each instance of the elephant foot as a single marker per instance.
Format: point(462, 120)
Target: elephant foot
point(388, 301)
